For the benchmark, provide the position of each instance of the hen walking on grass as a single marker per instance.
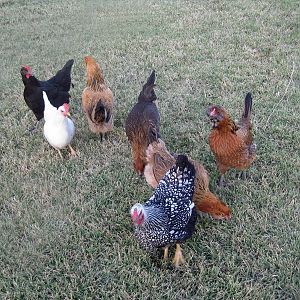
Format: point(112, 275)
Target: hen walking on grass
point(169, 216)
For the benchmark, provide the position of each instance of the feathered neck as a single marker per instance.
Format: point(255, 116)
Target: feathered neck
point(226, 125)
point(25, 80)
point(51, 113)
point(95, 78)
point(54, 116)
point(32, 80)
point(154, 217)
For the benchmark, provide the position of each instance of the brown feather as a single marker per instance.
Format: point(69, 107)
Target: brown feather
point(97, 95)
point(160, 160)
point(232, 145)
point(213, 206)
point(95, 79)
point(142, 124)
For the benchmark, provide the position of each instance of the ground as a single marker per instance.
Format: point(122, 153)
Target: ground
point(65, 229)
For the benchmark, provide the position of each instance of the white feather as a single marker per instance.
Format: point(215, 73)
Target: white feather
point(59, 130)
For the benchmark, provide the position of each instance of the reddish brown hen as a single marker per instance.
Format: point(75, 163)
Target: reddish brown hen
point(160, 160)
point(97, 100)
point(231, 144)
point(142, 120)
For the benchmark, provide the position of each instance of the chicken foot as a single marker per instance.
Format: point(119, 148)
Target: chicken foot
point(59, 153)
point(34, 127)
point(242, 175)
point(178, 258)
point(103, 135)
point(222, 182)
point(73, 152)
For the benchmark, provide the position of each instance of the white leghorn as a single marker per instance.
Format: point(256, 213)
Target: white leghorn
point(59, 130)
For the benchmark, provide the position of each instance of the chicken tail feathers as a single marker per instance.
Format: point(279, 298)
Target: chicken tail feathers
point(147, 93)
point(68, 66)
point(63, 77)
point(182, 162)
point(100, 114)
point(248, 106)
point(213, 206)
point(151, 79)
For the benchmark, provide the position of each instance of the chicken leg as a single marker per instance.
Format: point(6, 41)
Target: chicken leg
point(60, 154)
point(178, 258)
point(34, 127)
point(222, 182)
point(244, 175)
point(166, 252)
point(73, 152)
point(241, 175)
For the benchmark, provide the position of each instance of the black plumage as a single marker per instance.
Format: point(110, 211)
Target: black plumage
point(169, 216)
point(57, 89)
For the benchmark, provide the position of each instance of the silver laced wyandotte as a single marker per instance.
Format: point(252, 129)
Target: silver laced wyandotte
point(169, 216)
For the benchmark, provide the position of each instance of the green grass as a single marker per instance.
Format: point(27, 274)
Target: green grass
point(65, 229)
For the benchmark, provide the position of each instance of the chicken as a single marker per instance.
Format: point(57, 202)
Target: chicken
point(231, 144)
point(169, 216)
point(97, 100)
point(59, 130)
point(56, 87)
point(160, 160)
point(141, 121)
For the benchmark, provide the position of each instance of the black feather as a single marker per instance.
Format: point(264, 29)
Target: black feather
point(57, 89)
point(248, 106)
point(183, 162)
point(171, 214)
point(99, 113)
point(151, 79)
point(147, 93)
point(62, 78)
point(108, 115)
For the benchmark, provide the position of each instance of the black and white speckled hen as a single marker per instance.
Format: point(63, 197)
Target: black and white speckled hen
point(169, 216)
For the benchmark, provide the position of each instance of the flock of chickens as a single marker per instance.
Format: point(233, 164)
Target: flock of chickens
point(181, 184)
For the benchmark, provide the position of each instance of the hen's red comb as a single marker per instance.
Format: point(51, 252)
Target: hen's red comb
point(28, 69)
point(135, 214)
point(213, 112)
point(66, 107)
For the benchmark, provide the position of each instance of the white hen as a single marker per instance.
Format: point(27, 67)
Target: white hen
point(59, 130)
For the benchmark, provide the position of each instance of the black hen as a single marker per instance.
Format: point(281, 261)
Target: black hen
point(142, 120)
point(169, 216)
point(57, 89)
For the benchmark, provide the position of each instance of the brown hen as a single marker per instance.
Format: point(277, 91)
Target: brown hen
point(97, 100)
point(142, 120)
point(231, 144)
point(160, 160)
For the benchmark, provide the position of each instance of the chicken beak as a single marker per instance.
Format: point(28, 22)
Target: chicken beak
point(68, 115)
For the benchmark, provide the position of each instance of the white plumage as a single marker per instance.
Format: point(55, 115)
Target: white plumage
point(59, 130)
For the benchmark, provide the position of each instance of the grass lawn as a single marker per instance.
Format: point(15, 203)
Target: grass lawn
point(65, 229)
